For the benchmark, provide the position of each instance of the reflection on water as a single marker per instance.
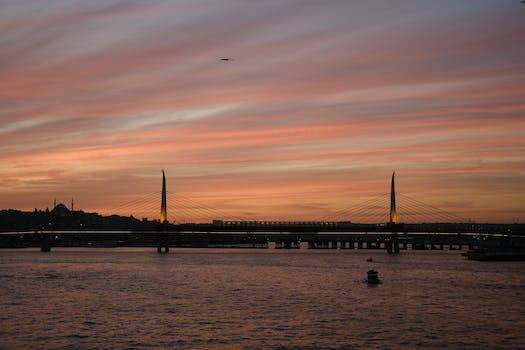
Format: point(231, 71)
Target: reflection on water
point(267, 299)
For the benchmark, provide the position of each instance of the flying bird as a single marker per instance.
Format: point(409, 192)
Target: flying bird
point(226, 59)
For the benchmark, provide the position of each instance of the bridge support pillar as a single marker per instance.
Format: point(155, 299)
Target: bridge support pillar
point(163, 241)
point(289, 245)
point(163, 249)
point(45, 246)
point(392, 245)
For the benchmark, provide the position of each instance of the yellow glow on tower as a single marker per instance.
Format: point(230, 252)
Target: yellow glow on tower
point(163, 205)
point(393, 210)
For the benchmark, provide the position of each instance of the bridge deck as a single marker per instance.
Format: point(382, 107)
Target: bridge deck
point(343, 240)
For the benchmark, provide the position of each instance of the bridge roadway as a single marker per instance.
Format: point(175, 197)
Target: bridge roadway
point(203, 236)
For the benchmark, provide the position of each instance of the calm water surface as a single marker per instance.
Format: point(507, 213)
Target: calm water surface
point(257, 299)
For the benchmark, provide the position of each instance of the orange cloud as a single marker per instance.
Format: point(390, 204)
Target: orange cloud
point(320, 104)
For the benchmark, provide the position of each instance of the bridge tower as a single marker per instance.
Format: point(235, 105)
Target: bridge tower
point(163, 205)
point(393, 211)
point(393, 243)
point(162, 238)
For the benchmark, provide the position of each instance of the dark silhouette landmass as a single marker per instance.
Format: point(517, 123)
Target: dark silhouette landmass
point(62, 218)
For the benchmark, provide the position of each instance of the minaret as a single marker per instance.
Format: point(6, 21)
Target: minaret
point(163, 206)
point(72, 204)
point(393, 211)
point(54, 203)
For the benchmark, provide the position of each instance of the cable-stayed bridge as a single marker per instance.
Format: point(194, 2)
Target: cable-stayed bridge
point(377, 208)
point(390, 221)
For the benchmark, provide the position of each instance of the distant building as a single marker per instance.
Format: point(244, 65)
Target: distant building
point(61, 211)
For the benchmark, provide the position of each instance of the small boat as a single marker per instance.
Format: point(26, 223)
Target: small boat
point(372, 277)
point(369, 259)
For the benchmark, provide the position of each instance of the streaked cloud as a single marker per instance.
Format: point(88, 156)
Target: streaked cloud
point(322, 101)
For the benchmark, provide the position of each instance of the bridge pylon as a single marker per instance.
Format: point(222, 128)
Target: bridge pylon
point(162, 237)
point(392, 245)
point(393, 210)
point(163, 201)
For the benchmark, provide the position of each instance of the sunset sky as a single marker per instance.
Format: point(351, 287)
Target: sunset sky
point(323, 100)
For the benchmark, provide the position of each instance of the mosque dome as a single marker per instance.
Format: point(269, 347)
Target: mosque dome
point(61, 210)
